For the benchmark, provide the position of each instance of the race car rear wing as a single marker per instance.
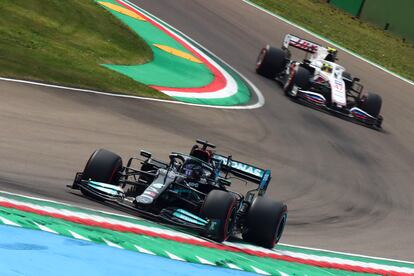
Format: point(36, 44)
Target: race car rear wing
point(245, 171)
point(299, 43)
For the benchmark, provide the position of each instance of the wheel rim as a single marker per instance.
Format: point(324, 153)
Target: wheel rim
point(229, 223)
point(289, 82)
point(280, 228)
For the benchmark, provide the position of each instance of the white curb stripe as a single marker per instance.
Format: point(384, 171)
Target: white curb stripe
point(259, 271)
point(328, 41)
point(46, 229)
point(143, 250)
point(9, 222)
point(77, 236)
point(233, 266)
point(174, 257)
point(112, 244)
point(342, 261)
point(204, 261)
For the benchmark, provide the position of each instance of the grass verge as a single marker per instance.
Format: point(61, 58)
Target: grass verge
point(363, 38)
point(65, 42)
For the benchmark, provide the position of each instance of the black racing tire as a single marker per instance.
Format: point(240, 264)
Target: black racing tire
point(220, 205)
point(300, 78)
point(265, 222)
point(271, 62)
point(103, 166)
point(371, 103)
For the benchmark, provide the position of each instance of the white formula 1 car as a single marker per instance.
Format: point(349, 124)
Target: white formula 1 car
point(319, 80)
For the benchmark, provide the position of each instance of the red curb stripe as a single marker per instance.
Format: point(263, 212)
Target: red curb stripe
point(219, 81)
point(126, 229)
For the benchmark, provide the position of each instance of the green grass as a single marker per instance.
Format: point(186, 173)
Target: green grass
point(65, 42)
point(360, 37)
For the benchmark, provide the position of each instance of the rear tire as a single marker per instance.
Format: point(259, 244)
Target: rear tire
point(103, 166)
point(265, 222)
point(300, 78)
point(371, 103)
point(220, 205)
point(271, 62)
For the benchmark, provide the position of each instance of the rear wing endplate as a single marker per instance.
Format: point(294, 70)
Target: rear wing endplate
point(299, 43)
point(245, 171)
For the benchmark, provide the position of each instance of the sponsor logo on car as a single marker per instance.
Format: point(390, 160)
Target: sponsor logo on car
point(241, 166)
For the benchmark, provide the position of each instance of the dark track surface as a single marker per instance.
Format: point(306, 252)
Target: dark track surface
point(348, 187)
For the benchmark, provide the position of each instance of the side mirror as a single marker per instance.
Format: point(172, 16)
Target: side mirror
point(224, 182)
point(145, 154)
point(356, 80)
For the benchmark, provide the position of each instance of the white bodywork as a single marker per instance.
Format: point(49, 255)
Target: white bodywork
point(317, 60)
point(334, 78)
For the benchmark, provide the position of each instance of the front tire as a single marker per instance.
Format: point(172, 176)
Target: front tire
point(103, 166)
point(299, 78)
point(265, 222)
point(220, 205)
point(271, 62)
point(371, 103)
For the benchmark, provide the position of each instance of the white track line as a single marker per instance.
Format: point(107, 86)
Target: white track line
point(328, 41)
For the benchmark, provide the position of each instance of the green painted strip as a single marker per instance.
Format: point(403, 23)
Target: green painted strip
point(158, 246)
point(244, 93)
point(174, 72)
point(242, 97)
point(165, 69)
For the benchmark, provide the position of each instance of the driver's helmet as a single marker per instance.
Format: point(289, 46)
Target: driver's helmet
point(332, 53)
point(202, 154)
point(326, 68)
point(193, 169)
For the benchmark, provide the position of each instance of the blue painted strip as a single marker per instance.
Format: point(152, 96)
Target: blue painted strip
point(31, 252)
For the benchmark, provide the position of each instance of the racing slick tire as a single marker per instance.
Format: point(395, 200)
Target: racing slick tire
point(222, 206)
point(103, 166)
point(271, 61)
point(371, 103)
point(300, 78)
point(265, 222)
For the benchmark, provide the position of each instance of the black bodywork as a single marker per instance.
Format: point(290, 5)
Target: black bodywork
point(170, 192)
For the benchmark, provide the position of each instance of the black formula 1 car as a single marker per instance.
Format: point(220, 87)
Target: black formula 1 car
point(188, 190)
point(319, 81)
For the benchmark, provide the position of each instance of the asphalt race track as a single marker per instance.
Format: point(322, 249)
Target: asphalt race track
point(348, 188)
